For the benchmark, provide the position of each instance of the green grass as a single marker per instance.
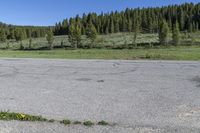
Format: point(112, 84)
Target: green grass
point(51, 120)
point(9, 116)
point(65, 122)
point(77, 122)
point(112, 41)
point(170, 53)
point(103, 123)
point(20, 117)
point(88, 123)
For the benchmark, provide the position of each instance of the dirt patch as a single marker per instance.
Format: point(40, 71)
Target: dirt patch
point(197, 80)
point(186, 112)
point(100, 81)
point(84, 79)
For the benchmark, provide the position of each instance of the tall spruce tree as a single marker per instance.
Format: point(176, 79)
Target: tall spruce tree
point(163, 33)
point(129, 25)
point(2, 35)
point(112, 28)
point(91, 34)
point(176, 34)
point(74, 35)
point(50, 38)
point(116, 26)
point(136, 31)
point(18, 34)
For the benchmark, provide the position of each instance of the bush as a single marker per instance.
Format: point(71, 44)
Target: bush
point(77, 122)
point(103, 123)
point(20, 117)
point(65, 122)
point(88, 123)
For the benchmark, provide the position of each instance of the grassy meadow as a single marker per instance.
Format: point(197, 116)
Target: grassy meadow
point(171, 53)
point(107, 47)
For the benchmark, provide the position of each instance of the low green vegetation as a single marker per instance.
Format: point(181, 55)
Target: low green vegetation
point(51, 120)
point(129, 46)
point(103, 123)
point(88, 123)
point(20, 117)
point(164, 53)
point(9, 116)
point(77, 122)
point(65, 122)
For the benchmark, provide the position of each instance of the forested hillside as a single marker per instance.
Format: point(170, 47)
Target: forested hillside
point(147, 20)
point(185, 17)
point(21, 32)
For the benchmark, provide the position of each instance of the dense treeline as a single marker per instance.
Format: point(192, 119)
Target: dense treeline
point(166, 21)
point(146, 20)
point(21, 32)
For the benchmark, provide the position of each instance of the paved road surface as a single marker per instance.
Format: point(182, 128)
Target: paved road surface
point(138, 96)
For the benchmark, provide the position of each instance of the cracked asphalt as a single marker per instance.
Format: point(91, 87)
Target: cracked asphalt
point(136, 96)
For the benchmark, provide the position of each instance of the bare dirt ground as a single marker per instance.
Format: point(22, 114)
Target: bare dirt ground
point(136, 96)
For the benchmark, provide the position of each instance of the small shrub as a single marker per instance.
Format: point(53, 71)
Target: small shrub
point(51, 120)
point(7, 45)
point(88, 123)
point(20, 116)
point(65, 122)
point(21, 47)
point(103, 123)
point(148, 56)
point(77, 122)
point(157, 56)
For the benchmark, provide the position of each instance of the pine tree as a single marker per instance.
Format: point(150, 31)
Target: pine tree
point(30, 43)
point(50, 38)
point(136, 31)
point(182, 19)
point(112, 28)
point(116, 26)
point(11, 33)
point(107, 28)
point(74, 35)
point(176, 34)
point(124, 25)
point(163, 33)
point(78, 36)
point(190, 30)
point(2, 35)
point(129, 25)
point(150, 24)
point(91, 33)
point(65, 27)
point(18, 34)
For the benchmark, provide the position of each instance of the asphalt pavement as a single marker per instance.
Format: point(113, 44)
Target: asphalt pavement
point(135, 96)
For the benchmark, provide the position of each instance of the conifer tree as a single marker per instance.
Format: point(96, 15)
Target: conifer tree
point(50, 38)
point(91, 33)
point(176, 34)
point(116, 26)
point(112, 28)
point(182, 19)
point(2, 35)
point(136, 31)
point(18, 34)
point(129, 25)
point(74, 35)
point(163, 33)
point(190, 30)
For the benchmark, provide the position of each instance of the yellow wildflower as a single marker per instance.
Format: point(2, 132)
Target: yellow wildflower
point(22, 116)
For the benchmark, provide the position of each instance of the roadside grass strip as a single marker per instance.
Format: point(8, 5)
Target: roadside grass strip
point(12, 116)
point(7, 116)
